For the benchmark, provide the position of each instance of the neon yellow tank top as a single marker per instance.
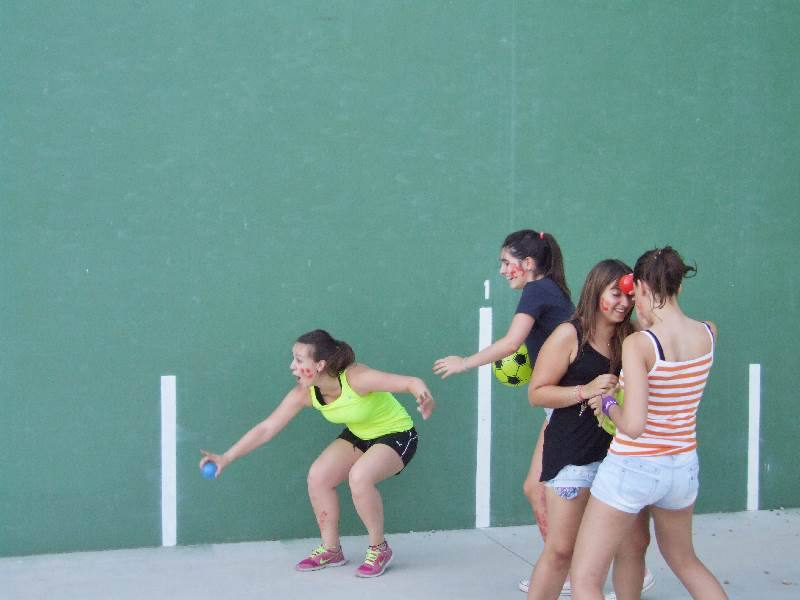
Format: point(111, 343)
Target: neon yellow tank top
point(369, 416)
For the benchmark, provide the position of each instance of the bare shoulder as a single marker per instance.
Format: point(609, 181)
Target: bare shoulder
point(636, 341)
point(356, 371)
point(360, 377)
point(562, 342)
point(637, 348)
point(298, 395)
point(363, 380)
point(564, 333)
point(713, 327)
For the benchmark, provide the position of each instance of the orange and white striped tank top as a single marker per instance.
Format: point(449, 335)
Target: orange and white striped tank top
point(675, 389)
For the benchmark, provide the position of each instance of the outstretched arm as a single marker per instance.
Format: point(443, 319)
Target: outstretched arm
point(365, 380)
point(519, 329)
point(259, 435)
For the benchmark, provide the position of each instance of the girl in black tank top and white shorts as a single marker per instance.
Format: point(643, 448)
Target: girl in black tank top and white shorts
point(581, 359)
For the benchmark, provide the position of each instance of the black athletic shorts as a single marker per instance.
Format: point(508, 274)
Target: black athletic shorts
point(404, 442)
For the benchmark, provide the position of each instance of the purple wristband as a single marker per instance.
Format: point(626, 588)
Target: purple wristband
point(606, 402)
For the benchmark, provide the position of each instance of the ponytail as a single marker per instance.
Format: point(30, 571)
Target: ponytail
point(338, 355)
point(555, 270)
point(544, 250)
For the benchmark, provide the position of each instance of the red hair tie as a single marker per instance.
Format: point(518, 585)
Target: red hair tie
point(541, 235)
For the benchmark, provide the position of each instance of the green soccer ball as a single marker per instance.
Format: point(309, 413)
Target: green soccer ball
point(514, 370)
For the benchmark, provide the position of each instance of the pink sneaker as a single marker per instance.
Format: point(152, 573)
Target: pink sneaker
point(376, 561)
point(320, 558)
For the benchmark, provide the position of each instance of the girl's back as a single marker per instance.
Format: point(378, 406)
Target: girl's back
point(682, 339)
point(678, 361)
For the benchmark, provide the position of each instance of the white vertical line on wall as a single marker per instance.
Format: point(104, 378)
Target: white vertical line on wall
point(754, 437)
point(169, 511)
point(484, 450)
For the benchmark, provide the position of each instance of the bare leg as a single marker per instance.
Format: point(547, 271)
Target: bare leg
point(551, 569)
point(378, 463)
point(674, 535)
point(602, 530)
point(628, 573)
point(328, 471)
point(535, 489)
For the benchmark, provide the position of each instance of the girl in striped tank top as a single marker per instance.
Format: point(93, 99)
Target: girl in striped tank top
point(653, 459)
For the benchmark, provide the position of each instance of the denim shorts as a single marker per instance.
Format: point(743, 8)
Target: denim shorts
point(629, 483)
point(570, 479)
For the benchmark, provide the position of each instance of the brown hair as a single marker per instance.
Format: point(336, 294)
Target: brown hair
point(599, 278)
point(338, 355)
point(544, 249)
point(663, 270)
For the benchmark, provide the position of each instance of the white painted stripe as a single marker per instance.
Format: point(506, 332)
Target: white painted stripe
point(754, 437)
point(169, 520)
point(484, 451)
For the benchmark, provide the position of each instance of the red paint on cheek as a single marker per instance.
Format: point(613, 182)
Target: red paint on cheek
point(604, 305)
point(305, 372)
point(515, 270)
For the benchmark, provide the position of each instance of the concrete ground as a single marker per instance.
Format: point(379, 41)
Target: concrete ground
point(754, 554)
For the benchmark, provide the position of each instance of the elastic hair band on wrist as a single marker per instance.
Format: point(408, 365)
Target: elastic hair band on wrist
point(606, 402)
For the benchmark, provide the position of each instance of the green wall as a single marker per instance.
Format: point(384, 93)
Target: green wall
point(642, 124)
point(185, 188)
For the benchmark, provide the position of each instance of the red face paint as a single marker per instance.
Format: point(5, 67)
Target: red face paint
point(306, 372)
point(514, 271)
point(604, 305)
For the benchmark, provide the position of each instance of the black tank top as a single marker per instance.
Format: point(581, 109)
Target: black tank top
point(572, 437)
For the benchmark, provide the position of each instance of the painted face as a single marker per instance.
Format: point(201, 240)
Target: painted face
point(513, 270)
point(614, 304)
point(303, 367)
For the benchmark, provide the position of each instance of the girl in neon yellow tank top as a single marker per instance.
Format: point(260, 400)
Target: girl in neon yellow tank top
point(377, 442)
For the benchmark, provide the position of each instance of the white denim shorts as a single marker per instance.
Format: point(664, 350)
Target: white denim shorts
point(629, 483)
point(570, 479)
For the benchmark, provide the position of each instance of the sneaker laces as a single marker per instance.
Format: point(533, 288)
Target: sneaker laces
point(372, 555)
point(321, 549)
